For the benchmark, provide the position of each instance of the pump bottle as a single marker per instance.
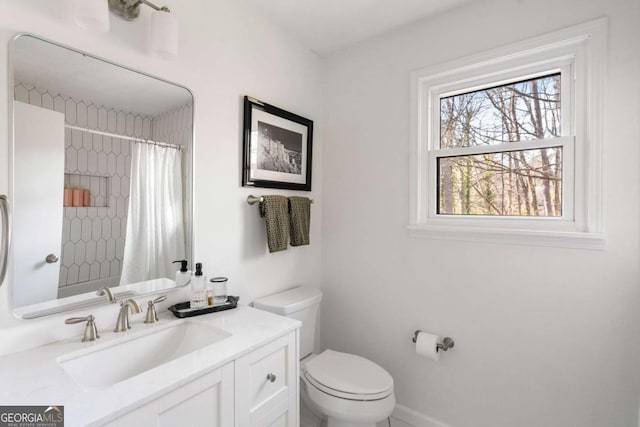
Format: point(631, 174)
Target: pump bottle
point(198, 288)
point(183, 276)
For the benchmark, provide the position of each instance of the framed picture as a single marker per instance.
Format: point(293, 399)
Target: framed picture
point(277, 147)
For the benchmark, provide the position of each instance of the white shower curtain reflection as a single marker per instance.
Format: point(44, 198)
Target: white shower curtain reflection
point(155, 227)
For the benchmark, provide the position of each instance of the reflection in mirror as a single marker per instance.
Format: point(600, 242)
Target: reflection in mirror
point(102, 179)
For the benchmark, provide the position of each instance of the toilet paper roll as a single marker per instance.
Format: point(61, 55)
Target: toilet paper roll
point(427, 345)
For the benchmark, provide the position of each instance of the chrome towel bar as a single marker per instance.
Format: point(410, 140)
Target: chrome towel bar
point(6, 236)
point(252, 200)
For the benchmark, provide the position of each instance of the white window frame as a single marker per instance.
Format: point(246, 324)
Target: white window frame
point(578, 53)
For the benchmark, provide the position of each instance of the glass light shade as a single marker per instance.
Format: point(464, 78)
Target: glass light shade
point(91, 15)
point(164, 34)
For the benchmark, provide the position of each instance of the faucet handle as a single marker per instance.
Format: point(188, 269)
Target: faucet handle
point(160, 299)
point(73, 320)
point(152, 316)
point(90, 331)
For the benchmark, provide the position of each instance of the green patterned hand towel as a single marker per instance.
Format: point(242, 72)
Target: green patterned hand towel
point(299, 220)
point(274, 210)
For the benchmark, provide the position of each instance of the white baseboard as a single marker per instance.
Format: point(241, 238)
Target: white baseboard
point(415, 418)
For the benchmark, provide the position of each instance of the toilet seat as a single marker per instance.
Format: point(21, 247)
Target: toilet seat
point(347, 376)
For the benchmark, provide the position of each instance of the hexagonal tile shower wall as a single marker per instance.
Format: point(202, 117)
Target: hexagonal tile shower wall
point(93, 237)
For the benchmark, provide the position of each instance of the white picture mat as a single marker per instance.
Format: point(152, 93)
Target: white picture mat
point(265, 175)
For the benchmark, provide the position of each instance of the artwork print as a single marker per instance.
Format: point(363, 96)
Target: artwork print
point(279, 150)
point(277, 147)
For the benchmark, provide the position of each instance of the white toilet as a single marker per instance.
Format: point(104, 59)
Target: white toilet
point(347, 390)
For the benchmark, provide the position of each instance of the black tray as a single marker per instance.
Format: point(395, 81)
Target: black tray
point(183, 309)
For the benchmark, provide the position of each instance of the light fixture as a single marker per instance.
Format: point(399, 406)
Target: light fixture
point(163, 38)
point(91, 15)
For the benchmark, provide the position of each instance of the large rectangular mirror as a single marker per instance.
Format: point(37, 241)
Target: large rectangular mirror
point(101, 182)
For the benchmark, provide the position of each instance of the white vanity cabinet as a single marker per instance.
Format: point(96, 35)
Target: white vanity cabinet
point(206, 401)
point(257, 389)
point(267, 385)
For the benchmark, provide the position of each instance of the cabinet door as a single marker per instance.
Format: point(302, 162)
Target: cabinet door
point(205, 402)
point(267, 385)
point(145, 416)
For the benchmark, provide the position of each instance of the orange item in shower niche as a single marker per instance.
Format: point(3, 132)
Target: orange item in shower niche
point(86, 198)
point(78, 197)
point(68, 197)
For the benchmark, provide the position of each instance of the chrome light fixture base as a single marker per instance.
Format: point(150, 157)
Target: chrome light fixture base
point(130, 9)
point(126, 9)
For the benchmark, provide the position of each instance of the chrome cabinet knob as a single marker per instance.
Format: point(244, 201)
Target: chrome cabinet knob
point(51, 259)
point(271, 377)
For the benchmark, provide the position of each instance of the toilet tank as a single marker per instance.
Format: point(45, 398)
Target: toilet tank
point(298, 303)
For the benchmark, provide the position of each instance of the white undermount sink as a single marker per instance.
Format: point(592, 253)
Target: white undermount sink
point(126, 357)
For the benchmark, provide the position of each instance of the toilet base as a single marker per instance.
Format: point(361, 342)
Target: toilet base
point(331, 422)
point(309, 418)
point(342, 412)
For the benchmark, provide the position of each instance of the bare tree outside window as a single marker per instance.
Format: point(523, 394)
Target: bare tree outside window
point(503, 182)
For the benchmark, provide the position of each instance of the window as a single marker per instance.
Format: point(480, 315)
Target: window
point(480, 171)
point(505, 147)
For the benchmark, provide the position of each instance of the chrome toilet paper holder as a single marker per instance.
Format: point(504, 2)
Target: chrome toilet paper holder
point(447, 342)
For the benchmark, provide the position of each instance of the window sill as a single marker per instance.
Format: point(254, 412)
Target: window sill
point(558, 239)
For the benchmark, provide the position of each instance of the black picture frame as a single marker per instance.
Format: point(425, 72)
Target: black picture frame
point(277, 147)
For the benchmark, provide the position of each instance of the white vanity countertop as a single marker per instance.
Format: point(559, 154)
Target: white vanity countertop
point(34, 377)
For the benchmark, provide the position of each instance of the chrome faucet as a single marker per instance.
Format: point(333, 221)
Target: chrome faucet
point(106, 291)
point(122, 324)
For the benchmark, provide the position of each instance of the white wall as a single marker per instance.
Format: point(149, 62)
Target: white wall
point(544, 336)
point(226, 51)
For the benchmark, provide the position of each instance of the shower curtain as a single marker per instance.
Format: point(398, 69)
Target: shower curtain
point(155, 226)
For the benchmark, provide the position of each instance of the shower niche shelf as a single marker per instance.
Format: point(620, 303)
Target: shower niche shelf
point(98, 186)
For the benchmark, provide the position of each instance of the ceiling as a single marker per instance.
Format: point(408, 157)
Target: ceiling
point(326, 26)
point(323, 26)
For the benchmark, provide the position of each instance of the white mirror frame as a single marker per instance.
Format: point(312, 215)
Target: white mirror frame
point(189, 233)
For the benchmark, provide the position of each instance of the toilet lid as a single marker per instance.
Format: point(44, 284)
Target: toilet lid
point(348, 376)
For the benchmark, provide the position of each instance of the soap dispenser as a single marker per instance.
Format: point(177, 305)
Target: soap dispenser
point(198, 288)
point(183, 276)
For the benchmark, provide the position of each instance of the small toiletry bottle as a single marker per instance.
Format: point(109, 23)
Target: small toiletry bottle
point(198, 288)
point(209, 293)
point(219, 290)
point(183, 276)
point(86, 198)
point(68, 197)
point(77, 197)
